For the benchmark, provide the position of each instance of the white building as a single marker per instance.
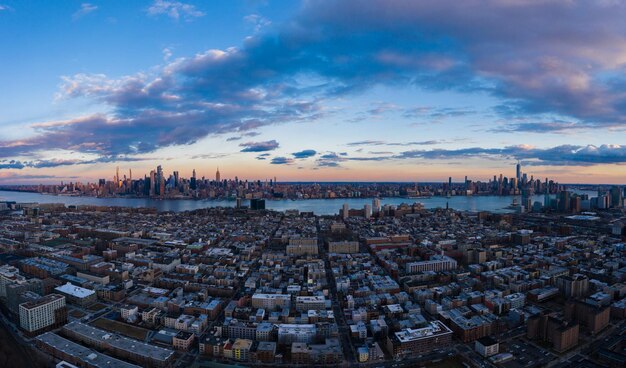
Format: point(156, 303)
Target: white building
point(305, 303)
point(435, 263)
point(290, 333)
point(77, 295)
point(128, 311)
point(41, 313)
point(487, 346)
point(367, 211)
point(9, 275)
point(302, 246)
point(375, 205)
point(270, 301)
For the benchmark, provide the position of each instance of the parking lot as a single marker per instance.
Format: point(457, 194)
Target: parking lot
point(526, 355)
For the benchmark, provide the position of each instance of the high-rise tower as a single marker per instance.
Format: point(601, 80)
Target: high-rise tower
point(217, 174)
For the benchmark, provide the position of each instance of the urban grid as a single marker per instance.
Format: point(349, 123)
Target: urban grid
point(313, 184)
point(392, 286)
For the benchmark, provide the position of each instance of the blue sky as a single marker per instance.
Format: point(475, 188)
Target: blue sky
point(317, 90)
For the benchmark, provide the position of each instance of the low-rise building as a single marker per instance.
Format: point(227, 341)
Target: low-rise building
point(408, 342)
point(435, 263)
point(77, 295)
point(183, 340)
point(487, 346)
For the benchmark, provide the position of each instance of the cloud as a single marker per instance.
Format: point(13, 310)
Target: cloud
point(367, 143)
point(563, 155)
point(247, 134)
point(85, 8)
point(375, 112)
point(11, 164)
point(304, 154)
point(380, 152)
point(571, 155)
point(167, 54)
point(259, 146)
point(436, 115)
point(282, 161)
point(175, 10)
point(288, 74)
point(210, 156)
point(49, 163)
point(385, 143)
point(331, 159)
point(541, 127)
point(559, 67)
point(13, 178)
point(257, 21)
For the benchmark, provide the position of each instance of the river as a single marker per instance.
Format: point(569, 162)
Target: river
point(318, 206)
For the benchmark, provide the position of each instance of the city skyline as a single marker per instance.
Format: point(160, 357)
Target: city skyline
point(398, 91)
point(121, 176)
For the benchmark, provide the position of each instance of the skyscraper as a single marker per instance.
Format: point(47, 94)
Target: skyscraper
point(617, 200)
point(518, 172)
point(159, 180)
point(192, 182)
point(564, 201)
point(152, 182)
point(217, 175)
point(176, 178)
point(376, 205)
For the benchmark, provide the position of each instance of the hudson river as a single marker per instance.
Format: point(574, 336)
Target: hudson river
point(318, 206)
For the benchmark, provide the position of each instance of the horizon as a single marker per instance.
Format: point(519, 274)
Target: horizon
point(313, 92)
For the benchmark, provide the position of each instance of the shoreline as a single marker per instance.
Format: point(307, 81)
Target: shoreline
point(229, 199)
point(320, 206)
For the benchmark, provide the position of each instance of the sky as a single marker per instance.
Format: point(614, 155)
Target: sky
point(328, 90)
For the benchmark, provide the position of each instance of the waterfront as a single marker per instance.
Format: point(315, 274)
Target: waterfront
point(318, 206)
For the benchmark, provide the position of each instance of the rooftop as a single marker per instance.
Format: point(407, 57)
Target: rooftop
point(75, 291)
point(120, 342)
point(95, 359)
point(41, 301)
point(435, 328)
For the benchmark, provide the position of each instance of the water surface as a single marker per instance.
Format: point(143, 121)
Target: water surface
point(318, 206)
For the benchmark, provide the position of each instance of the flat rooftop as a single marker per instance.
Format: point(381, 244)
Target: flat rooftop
point(271, 296)
point(75, 291)
point(120, 342)
point(41, 301)
point(71, 348)
point(435, 328)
